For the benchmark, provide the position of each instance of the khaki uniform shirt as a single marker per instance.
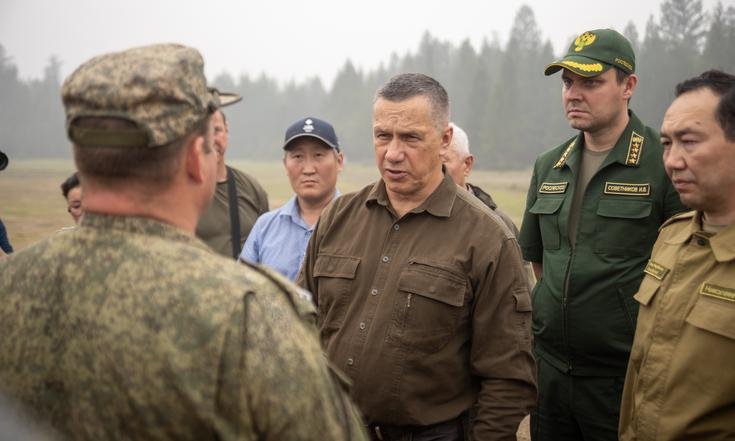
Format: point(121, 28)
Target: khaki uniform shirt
point(681, 377)
point(127, 328)
point(427, 314)
point(214, 225)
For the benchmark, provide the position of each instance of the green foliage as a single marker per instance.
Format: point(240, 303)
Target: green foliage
point(499, 95)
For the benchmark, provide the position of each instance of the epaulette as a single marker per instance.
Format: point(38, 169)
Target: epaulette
point(685, 216)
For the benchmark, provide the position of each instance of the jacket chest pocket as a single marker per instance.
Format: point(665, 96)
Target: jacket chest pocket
point(336, 275)
point(547, 209)
point(429, 306)
point(623, 226)
point(714, 315)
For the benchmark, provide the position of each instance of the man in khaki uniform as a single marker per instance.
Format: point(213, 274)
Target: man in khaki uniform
point(131, 328)
point(421, 295)
point(680, 383)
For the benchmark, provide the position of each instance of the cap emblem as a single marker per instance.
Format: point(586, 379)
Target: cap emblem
point(583, 40)
point(308, 126)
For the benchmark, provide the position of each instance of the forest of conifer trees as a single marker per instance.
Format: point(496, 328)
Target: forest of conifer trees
point(499, 95)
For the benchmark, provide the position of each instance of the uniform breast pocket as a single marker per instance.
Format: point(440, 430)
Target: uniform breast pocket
point(547, 209)
point(429, 306)
point(714, 315)
point(336, 275)
point(623, 227)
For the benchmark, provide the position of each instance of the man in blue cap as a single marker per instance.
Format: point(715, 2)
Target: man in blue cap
point(593, 210)
point(312, 160)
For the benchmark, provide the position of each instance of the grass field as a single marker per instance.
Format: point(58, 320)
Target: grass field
point(31, 205)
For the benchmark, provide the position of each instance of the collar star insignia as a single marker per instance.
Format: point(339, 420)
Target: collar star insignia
point(635, 147)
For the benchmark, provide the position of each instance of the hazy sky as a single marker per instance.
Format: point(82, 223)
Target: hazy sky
point(287, 39)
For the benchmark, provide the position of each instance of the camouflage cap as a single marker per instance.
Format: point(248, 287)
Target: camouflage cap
point(160, 88)
point(594, 52)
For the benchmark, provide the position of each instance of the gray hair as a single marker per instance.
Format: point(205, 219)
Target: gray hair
point(460, 141)
point(408, 85)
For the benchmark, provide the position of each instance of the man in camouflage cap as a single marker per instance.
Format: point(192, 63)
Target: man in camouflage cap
point(593, 210)
point(130, 327)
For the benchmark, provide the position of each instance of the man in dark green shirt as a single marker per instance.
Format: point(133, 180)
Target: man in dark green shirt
point(592, 215)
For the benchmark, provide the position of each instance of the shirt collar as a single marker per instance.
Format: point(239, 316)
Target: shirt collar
point(722, 243)
point(291, 208)
point(627, 150)
point(439, 203)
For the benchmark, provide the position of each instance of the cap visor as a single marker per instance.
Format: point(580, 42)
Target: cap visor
point(586, 67)
point(310, 135)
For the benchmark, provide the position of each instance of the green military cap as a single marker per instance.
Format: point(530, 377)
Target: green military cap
point(160, 88)
point(594, 52)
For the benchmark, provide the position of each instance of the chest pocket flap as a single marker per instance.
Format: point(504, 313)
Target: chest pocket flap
point(713, 315)
point(434, 283)
point(546, 205)
point(330, 265)
point(624, 208)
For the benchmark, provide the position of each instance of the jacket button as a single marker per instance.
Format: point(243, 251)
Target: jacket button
point(350, 362)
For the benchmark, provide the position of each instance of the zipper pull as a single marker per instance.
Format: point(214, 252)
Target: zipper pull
point(408, 303)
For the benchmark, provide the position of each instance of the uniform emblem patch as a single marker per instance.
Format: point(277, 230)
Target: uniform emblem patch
point(720, 292)
point(656, 270)
point(626, 189)
point(553, 187)
point(308, 127)
point(583, 40)
point(635, 148)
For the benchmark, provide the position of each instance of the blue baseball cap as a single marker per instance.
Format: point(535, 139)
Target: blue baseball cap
point(314, 128)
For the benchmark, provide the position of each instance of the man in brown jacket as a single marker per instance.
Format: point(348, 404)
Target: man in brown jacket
point(680, 383)
point(420, 290)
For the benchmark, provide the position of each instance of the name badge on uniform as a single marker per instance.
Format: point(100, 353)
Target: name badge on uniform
point(656, 270)
point(720, 292)
point(626, 189)
point(553, 187)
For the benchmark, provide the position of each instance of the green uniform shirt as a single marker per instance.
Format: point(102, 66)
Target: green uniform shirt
point(587, 328)
point(127, 328)
point(681, 377)
point(214, 225)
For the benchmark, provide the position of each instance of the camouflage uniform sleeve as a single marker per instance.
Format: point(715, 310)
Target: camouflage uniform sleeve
point(275, 380)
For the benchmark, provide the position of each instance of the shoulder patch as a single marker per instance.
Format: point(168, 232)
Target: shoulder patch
point(563, 158)
point(685, 216)
point(635, 148)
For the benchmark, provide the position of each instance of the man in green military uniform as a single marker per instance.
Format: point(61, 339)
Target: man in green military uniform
point(131, 328)
point(593, 209)
point(681, 382)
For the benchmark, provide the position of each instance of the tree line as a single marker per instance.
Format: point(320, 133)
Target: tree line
point(498, 94)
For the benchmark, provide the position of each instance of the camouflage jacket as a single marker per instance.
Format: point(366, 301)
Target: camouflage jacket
point(127, 328)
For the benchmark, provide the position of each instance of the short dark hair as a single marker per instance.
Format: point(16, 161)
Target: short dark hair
point(69, 184)
point(408, 85)
point(153, 166)
point(620, 75)
point(721, 84)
